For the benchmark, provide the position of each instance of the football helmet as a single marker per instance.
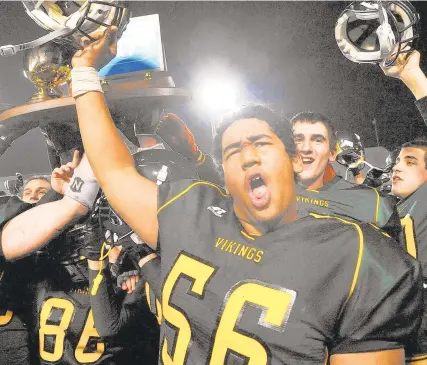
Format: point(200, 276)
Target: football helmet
point(350, 150)
point(377, 31)
point(159, 166)
point(69, 21)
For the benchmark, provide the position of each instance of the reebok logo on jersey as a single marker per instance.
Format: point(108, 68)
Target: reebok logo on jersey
point(76, 185)
point(219, 212)
point(424, 285)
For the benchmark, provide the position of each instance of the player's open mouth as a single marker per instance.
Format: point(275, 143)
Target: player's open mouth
point(396, 179)
point(258, 191)
point(307, 160)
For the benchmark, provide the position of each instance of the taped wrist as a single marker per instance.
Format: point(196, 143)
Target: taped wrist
point(83, 189)
point(83, 80)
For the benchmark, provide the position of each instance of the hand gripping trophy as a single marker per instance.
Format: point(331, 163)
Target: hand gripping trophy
point(47, 63)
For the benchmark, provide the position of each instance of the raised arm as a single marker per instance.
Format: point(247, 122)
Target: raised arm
point(407, 69)
point(28, 228)
point(132, 196)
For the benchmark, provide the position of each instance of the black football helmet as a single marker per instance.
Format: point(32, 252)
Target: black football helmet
point(377, 31)
point(350, 150)
point(69, 21)
point(159, 166)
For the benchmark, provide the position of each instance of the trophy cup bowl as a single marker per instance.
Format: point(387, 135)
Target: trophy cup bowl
point(47, 67)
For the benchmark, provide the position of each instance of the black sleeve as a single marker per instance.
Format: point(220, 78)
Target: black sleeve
point(207, 171)
point(113, 312)
point(384, 310)
point(422, 108)
point(392, 226)
point(151, 273)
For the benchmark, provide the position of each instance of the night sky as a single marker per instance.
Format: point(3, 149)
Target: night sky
point(284, 53)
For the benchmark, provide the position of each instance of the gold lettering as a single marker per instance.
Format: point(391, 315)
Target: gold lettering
point(248, 252)
point(251, 252)
point(219, 241)
point(238, 246)
point(258, 256)
point(230, 246)
point(243, 251)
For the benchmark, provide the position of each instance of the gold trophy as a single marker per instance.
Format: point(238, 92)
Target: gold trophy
point(48, 66)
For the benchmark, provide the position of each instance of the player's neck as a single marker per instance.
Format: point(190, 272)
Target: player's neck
point(257, 229)
point(314, 185)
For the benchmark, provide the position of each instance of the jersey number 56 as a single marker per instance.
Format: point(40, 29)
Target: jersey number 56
point(275, 305)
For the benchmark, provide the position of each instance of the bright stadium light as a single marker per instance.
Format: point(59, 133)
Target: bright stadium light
point(218, 94)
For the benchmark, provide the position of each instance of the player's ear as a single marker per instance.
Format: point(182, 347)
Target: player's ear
point(297, 163)
point(333, 155)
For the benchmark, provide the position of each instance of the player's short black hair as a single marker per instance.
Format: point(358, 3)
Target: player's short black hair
point(419, 142)
point(278, 124)
point(313, 117)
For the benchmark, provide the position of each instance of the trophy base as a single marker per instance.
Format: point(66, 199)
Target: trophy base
point(45, 94)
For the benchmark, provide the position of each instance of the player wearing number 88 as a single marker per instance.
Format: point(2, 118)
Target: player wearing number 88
point(243, 280)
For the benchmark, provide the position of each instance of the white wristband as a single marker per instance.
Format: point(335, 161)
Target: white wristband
point(83, 186)
point(83, 80)
point(83, 190)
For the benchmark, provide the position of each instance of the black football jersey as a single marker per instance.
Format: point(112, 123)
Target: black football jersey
point(15, 343)
point(64, 326)
point(16, 346)
point(315, 287)
point(413, 213)
point(356, 202)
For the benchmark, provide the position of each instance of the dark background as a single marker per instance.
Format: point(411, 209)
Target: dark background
point(284, 53)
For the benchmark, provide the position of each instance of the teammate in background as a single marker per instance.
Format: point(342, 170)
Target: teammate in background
point(409, 183)
point(62, 320)
point(321, 190)
point(123, 317)
point(178, 136)
point(35, 188)
point(16, 346)
point(241, 275)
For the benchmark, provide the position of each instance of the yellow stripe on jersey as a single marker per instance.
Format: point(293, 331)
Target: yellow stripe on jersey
point(379, 229)
point(377, 209)
point(409, 233)
point(187, 189)
point(201, 159)
point(312, 190)
point(360, 255)
point(246, 235)
point(418, 360)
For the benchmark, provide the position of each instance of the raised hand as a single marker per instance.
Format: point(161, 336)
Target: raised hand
point(98, 53)
point(61, 176)
point(404, 67)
